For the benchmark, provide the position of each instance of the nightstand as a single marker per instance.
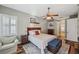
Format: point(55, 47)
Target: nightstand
point(19, 48)
point(24, 39)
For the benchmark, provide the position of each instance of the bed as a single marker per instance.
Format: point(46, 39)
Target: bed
point(41, 40)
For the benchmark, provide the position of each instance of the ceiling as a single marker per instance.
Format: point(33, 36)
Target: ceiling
point(41, 9)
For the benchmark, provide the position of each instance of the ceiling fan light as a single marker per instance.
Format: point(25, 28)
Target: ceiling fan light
point(49, 15)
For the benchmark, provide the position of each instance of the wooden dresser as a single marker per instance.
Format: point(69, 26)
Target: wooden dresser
point(51, 31)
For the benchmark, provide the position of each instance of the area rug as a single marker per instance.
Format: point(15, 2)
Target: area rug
point(32, 49)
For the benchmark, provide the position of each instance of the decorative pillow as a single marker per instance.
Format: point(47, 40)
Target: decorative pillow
point(7, 40)
point(37, 33)
point(34, 32)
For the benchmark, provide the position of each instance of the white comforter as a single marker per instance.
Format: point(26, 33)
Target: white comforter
point(41, 41)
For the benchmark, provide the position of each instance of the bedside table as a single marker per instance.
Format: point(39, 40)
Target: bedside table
point(24, 39)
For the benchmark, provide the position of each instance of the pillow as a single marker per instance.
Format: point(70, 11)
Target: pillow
point(32, 32)
point(37, 33)
point(7, 40)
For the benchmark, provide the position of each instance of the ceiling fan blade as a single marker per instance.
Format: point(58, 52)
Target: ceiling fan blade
point(52, 15)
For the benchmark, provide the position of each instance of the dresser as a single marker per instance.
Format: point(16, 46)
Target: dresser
point(51, 27)
point(51, 31)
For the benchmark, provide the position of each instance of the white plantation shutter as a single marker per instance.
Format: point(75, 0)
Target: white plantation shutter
point(7, 25)
point(13, 25)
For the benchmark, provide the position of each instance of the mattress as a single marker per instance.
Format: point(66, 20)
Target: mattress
point(41, 40)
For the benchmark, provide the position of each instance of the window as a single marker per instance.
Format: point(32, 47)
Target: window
point(7, 25)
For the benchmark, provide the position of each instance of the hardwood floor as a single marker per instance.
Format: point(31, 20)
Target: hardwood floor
point(62, 37)
point(71, 48)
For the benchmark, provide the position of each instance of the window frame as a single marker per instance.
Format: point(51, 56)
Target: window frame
point(9, 25)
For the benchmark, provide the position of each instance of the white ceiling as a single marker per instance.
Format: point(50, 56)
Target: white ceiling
point(41, 9)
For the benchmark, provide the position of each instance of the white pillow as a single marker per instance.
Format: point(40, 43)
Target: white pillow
point(7, 40)
point(32, 32)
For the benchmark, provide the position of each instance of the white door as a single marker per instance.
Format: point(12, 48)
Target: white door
point(57, 29)
point(72, 29)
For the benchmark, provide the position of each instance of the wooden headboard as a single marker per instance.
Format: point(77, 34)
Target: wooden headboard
point(32, 28)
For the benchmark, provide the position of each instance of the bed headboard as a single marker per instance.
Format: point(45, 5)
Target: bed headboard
point(32, 28)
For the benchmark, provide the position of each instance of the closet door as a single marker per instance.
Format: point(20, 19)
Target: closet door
point(72, 29)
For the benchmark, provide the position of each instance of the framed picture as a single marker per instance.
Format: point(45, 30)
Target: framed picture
point(50, 25)
point(33, 20)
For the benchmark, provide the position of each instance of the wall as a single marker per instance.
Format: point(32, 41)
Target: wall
point(43, 24)
point(22, 19)
point(78, 27)
point(78, 23)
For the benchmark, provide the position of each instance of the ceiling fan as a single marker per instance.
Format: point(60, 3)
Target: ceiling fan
point(49, 15)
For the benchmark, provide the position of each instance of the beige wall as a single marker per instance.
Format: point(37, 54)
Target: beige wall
point(22, 19)
point(78, 23)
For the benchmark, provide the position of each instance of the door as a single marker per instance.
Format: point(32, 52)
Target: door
point(57, 29)
point(72, 29)
point(62, 29)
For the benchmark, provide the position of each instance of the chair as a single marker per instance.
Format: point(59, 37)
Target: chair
point(8, 45)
